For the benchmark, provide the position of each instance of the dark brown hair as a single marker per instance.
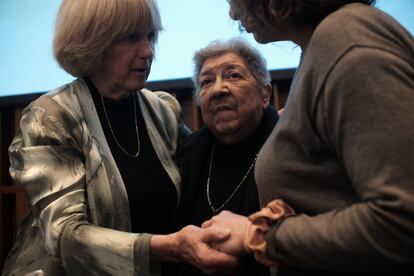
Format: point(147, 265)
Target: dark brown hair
point(296, 12)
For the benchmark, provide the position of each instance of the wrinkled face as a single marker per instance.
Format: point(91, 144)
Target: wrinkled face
point(231, 100)
point(126, 65)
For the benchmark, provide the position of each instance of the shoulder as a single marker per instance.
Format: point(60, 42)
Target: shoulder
point(62, 101)
point(200, 135)
point(194, 140)
point(360, 25)
point(352, 16)
point(161, 102)
point(354, 26)
point(166, 112)
point(54, 114)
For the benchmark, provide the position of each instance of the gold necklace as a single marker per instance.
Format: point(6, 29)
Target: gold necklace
point(136, 129)
point(217, 210)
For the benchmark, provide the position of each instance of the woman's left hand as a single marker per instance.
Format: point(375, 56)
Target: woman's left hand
point(236, 224)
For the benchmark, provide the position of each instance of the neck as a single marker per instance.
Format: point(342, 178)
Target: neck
point(230, 139)
point(108, 91)
point(237, 137)
point(301, 36)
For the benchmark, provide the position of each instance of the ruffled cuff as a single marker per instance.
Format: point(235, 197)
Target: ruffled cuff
point(261, 222)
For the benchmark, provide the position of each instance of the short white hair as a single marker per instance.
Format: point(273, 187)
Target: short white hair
point(255, 62)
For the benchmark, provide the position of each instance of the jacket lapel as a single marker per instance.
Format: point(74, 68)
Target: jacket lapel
point(107, 197)
point(163, 143)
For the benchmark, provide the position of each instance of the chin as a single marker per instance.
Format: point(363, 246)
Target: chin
point(267, 36)
point(137, 86)
point(262, 38)
point(225, 130)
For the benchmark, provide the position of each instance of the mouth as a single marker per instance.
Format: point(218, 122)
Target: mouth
point(248, 29)
point(222, 108)
point(139, 72)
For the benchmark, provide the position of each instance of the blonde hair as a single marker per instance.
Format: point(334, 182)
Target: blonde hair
point(85, 29)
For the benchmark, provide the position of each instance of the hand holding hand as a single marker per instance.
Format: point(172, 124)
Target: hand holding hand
point(193, 247)
point(237, 225)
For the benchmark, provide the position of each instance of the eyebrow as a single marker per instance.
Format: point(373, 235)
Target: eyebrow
point(225, 66)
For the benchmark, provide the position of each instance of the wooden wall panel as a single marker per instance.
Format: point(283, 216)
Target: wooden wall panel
point(2, 171)
point(6, 198)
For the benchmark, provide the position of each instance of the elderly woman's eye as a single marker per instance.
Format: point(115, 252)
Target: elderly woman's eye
point(205, 82)
point(234, 75)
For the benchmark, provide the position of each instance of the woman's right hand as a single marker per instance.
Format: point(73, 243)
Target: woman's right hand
point(191, 245)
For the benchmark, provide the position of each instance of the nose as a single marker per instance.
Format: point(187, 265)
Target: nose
point(145, 49)
point(233, 15)
point(220, 89)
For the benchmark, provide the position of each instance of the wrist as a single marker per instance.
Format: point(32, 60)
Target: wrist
point(270, 238)
point(246, 246)
point(262, 228)
point(164, 247)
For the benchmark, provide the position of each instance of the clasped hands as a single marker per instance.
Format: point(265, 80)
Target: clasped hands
point(216, 247)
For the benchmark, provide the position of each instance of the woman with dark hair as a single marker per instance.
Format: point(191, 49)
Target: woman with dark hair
point(95, 155)
point(336, 174)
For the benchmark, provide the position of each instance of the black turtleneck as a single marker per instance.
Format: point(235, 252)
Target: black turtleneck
point(230, 164)
point(151, 193)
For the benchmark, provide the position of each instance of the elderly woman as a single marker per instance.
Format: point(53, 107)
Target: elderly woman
point(233, 89)
point(95, 156)
point(342, 154)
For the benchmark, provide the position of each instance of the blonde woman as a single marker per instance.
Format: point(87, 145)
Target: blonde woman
point(95, 155)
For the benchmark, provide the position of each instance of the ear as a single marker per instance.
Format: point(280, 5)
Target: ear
point(284, 10)
point(267, 94)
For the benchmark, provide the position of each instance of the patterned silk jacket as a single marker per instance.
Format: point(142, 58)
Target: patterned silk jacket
point(79, 222)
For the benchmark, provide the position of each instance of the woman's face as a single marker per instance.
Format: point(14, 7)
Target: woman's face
point(126, 65)
point(232, 102)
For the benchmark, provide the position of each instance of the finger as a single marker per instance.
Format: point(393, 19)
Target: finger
point(225, 213)
point(207, 223)
point(215, 234)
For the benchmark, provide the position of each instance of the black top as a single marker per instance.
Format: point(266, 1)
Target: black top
point(229, 165)
point(151, 193)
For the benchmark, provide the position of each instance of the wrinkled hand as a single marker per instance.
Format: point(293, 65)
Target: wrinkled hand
point(193, 247)
point(236, 224)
